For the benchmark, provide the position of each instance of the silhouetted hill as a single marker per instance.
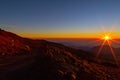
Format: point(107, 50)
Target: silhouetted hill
point(106, 51)
point(43, 60)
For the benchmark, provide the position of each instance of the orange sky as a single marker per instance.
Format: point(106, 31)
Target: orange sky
point(67, 35)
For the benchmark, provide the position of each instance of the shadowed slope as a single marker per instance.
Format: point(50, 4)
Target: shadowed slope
point(49, 61)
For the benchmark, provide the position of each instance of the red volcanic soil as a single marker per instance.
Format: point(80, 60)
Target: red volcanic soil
point(26, 59)
point(11, 43)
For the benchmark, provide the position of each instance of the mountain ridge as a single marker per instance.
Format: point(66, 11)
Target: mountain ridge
point(43, 60)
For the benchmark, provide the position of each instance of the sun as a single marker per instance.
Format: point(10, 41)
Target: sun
point(106, 37)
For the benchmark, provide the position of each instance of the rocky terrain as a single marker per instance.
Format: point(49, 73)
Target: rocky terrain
point(26, 59)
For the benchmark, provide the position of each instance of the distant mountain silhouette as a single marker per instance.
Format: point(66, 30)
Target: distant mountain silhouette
point(106, 51)
point(27, 59)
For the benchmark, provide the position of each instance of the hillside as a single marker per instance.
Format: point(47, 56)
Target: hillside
point(26, 59)
point(11, 44)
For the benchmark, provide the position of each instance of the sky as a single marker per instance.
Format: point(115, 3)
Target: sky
point(60, 18)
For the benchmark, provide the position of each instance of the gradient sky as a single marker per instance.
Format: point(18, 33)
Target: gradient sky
point(60, 18)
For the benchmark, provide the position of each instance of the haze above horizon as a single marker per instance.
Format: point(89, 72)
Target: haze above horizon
point(61, 18)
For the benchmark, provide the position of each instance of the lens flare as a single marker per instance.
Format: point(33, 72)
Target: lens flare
point(107, 39)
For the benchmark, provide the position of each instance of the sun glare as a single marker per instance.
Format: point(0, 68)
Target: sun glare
point(107, 40)
point(106, 37)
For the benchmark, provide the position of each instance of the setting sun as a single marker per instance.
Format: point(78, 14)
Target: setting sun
point(106, 37)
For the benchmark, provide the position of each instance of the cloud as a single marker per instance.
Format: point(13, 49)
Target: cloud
point(7, 27)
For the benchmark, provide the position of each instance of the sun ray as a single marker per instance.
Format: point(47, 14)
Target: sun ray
point(113, 53)
point(107, 39)
point(99, 51)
